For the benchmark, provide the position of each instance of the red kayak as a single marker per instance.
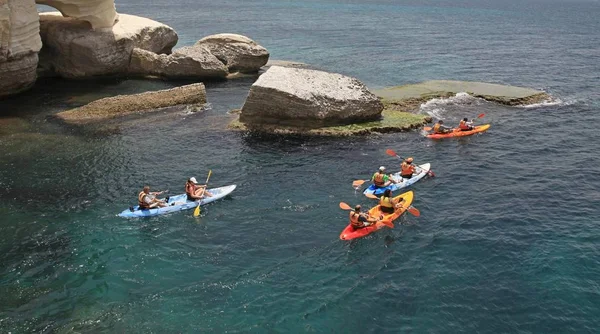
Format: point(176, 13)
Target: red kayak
point(350, 233)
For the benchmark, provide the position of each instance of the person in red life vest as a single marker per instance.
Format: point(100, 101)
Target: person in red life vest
point(194, 191)
point(406, 168)
point(440, 128)
point(148, 200)
point(360, 220)
point(465, 125)
point(380, 179)
point(387, 203)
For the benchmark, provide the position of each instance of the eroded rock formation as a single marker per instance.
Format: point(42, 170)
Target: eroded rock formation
point(19, 45)
point(308, 98)
point(99, 13)
point(186, 62)
point(239, 53)
point(72, 49)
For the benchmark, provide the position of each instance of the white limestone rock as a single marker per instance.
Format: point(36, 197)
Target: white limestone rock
point(187, 62)
point(19, 45)
point(239, 53)
point(308, 98)
point(72, 49)
point(99, 13)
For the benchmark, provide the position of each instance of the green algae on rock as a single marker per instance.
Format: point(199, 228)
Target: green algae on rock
point(391, 121)
point(121, 105)
point(410, 97)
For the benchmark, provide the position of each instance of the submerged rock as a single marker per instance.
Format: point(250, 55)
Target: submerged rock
point(72, 49)
point(409, 97)
point(307, 99)
point(239, 53)
point(121, 105)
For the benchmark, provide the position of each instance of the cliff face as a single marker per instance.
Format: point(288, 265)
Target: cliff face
point(19, 45)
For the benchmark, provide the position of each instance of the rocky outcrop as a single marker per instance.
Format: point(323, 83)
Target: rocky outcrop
point(122, 105)
point(72, 49)
point(308, 98)
point(409, 97)
point(239, 53)
point(99, 13)
point(19, 45)
point(187, 62)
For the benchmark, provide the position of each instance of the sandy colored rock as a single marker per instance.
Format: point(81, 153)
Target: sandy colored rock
point(19, 45)
point(72, 49)
point(239, 53)
point(419, 93)
point(308, 98)
point(188, 62)
point(99, 13)
point(121, 105)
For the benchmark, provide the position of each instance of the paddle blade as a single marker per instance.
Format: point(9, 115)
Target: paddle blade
point(414, 211)
point(427, 128)
point(480, 115)
point(371, 196)
point(430, 173)
point(345, 206)
point(390, 152)
point(197, 211)
point(358, 183)
point(387, 223)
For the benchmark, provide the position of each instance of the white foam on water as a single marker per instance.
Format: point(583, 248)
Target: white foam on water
point(435, 107)
point(547, 103)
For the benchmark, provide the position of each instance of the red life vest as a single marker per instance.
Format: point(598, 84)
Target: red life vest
point(463, 125)
point(407, 169)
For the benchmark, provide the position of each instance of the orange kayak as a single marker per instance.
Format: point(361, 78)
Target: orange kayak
point(350, 233)
point(458, 133)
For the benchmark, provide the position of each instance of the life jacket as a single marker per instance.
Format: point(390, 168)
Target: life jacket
point(407, 169)
point(354, 219)
point(386, 201)
point(141, 202)
point(463, 125)
point(378, 179)
point(436, 128)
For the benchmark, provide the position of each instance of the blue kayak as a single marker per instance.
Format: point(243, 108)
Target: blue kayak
point(178, 203)
point(401, 182)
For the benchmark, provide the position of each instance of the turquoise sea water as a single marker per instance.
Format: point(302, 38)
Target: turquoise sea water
point(507, 241)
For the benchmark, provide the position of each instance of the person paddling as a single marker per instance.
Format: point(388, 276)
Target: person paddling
point(380, 179)
point(407, 169)
point(360, 220)
point(465, 125)
point(387, 203)
point(148, 200)
point(440, 128)
point(194, 191)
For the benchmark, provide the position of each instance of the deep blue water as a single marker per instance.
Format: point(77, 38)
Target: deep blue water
point(507, 241)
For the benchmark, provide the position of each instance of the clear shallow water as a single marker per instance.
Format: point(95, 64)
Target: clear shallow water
point(508, 236)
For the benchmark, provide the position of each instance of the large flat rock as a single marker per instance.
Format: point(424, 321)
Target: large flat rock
point(509, 95)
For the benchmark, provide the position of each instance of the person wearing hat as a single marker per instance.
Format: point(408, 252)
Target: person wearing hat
point(148, 200)
point(439, 127)
point(465, 125)
point(380, 179)
point(406, 168)
point(360, 220)
point(194, 191)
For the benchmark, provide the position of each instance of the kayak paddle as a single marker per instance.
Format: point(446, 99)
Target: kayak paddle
point(358, 183)
point(428, 128)
point(197, 210)
point(414, 211)
point(388, 223)
point(393, 154)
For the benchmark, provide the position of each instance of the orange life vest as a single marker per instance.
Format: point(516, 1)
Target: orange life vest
point(386, 201)
point(436, 128)
point(378, 179)
point(141, 202)
point(354, 219)
point(463, 125)
point(407, 169)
